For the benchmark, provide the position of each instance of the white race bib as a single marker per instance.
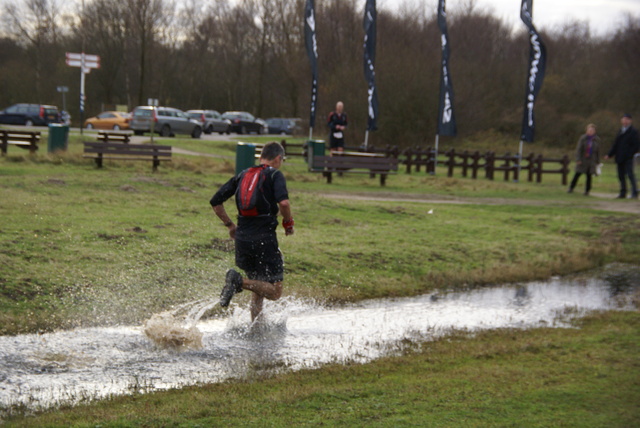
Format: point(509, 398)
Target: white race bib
point(337, 135)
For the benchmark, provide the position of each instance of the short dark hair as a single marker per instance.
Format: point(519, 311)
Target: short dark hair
point(272, 150)
point(627, 115)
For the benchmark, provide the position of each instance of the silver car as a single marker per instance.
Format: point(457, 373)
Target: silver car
point(212, 121)
point(166, 121)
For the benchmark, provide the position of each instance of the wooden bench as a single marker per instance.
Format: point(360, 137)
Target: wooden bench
point(123, 151)
point(294, 149)
point(27, 140)
point(357, 163)
point(286, 146)
point(116, 137)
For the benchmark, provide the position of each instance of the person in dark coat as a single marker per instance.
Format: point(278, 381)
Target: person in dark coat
point(625, 146)
point(587, 157)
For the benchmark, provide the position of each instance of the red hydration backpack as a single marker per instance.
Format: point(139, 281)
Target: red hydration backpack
point(250, 189)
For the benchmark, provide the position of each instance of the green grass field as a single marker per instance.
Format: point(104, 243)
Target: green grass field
point(81, 246)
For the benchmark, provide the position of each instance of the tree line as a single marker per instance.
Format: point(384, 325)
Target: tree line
point(250, 55)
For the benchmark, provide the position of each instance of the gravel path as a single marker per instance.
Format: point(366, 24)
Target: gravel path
point(597, 201)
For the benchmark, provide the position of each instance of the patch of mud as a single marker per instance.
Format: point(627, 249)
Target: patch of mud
point(168, 332)
point(154, 180)
point(56, 181)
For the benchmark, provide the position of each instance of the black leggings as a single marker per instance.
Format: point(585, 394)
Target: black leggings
point(575, 181)
point(625, 169)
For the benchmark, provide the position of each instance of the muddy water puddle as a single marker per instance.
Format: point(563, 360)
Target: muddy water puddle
point(66, 367)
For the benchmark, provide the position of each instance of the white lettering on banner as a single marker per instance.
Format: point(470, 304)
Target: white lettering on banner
point(313, 95)
point(311, 21)
point(372, 114)
point(525, 11)
point(443, 12)
point(445, 75)
point(533, 73)
point(444, 41)
point(448, 112)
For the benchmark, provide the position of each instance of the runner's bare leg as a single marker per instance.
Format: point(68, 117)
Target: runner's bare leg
point(261, 289)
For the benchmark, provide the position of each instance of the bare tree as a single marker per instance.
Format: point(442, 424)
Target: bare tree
point(145, 18)
point(35, 22)
point(104, 26)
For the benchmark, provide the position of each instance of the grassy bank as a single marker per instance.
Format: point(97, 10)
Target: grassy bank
point(82, 246)
point(585, 377)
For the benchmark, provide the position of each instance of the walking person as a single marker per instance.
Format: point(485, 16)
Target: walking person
point(337, 123)
point(260, 193)
point(587, 157)
point(625, 146)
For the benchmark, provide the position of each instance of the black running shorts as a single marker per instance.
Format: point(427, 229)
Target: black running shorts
point(261, 260)
point(336, 143)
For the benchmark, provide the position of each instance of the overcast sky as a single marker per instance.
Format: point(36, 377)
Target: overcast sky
point(603, 16)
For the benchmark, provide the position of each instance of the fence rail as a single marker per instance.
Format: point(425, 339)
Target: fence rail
point(469, 163)
point(489, 162)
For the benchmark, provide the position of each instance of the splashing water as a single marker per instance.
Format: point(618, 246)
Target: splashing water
point(40, 371)
point(166, 331)
point(177, 328)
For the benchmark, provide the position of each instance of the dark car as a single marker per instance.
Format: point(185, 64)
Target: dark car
point(30, 115)
point(166, 121)
point(283, 125)
point(243, 122)
point(211, 120)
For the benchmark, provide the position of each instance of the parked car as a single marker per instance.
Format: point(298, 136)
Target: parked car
point(284, 125)
point(30, 115)
point(212, 121)
point(243, 122)
point(296, 127)
point(265, 126)
point(167, 122)
point(108, 120)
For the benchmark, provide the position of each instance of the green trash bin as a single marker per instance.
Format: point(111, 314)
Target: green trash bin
point(245, 156)
point(314, 148)
point(58, 137)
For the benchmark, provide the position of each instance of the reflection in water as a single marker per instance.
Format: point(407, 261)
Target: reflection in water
point(83, 364)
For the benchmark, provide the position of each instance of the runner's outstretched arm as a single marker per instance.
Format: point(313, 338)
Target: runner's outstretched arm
point(222, 215)
point(285, 210)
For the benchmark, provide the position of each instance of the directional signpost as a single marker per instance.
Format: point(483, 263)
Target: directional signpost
point(63, 90)
point(86, 63)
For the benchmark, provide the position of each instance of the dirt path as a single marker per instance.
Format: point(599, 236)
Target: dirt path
point(597, 201)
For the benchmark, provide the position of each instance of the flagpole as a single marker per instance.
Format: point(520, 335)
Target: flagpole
point(310, 133)
point(366, 139)
point(435, 159)
point(519, 160)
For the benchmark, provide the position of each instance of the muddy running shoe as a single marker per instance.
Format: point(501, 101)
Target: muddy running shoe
point(232, 285)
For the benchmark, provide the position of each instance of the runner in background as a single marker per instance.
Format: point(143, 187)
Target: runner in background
point(337, 122)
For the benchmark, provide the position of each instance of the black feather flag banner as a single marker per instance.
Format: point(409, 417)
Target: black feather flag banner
point(312, 53)
point(537, 64)
point(370, 16)
point(446, 116)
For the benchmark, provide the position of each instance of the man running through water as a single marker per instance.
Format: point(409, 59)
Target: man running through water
point(256, 242)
